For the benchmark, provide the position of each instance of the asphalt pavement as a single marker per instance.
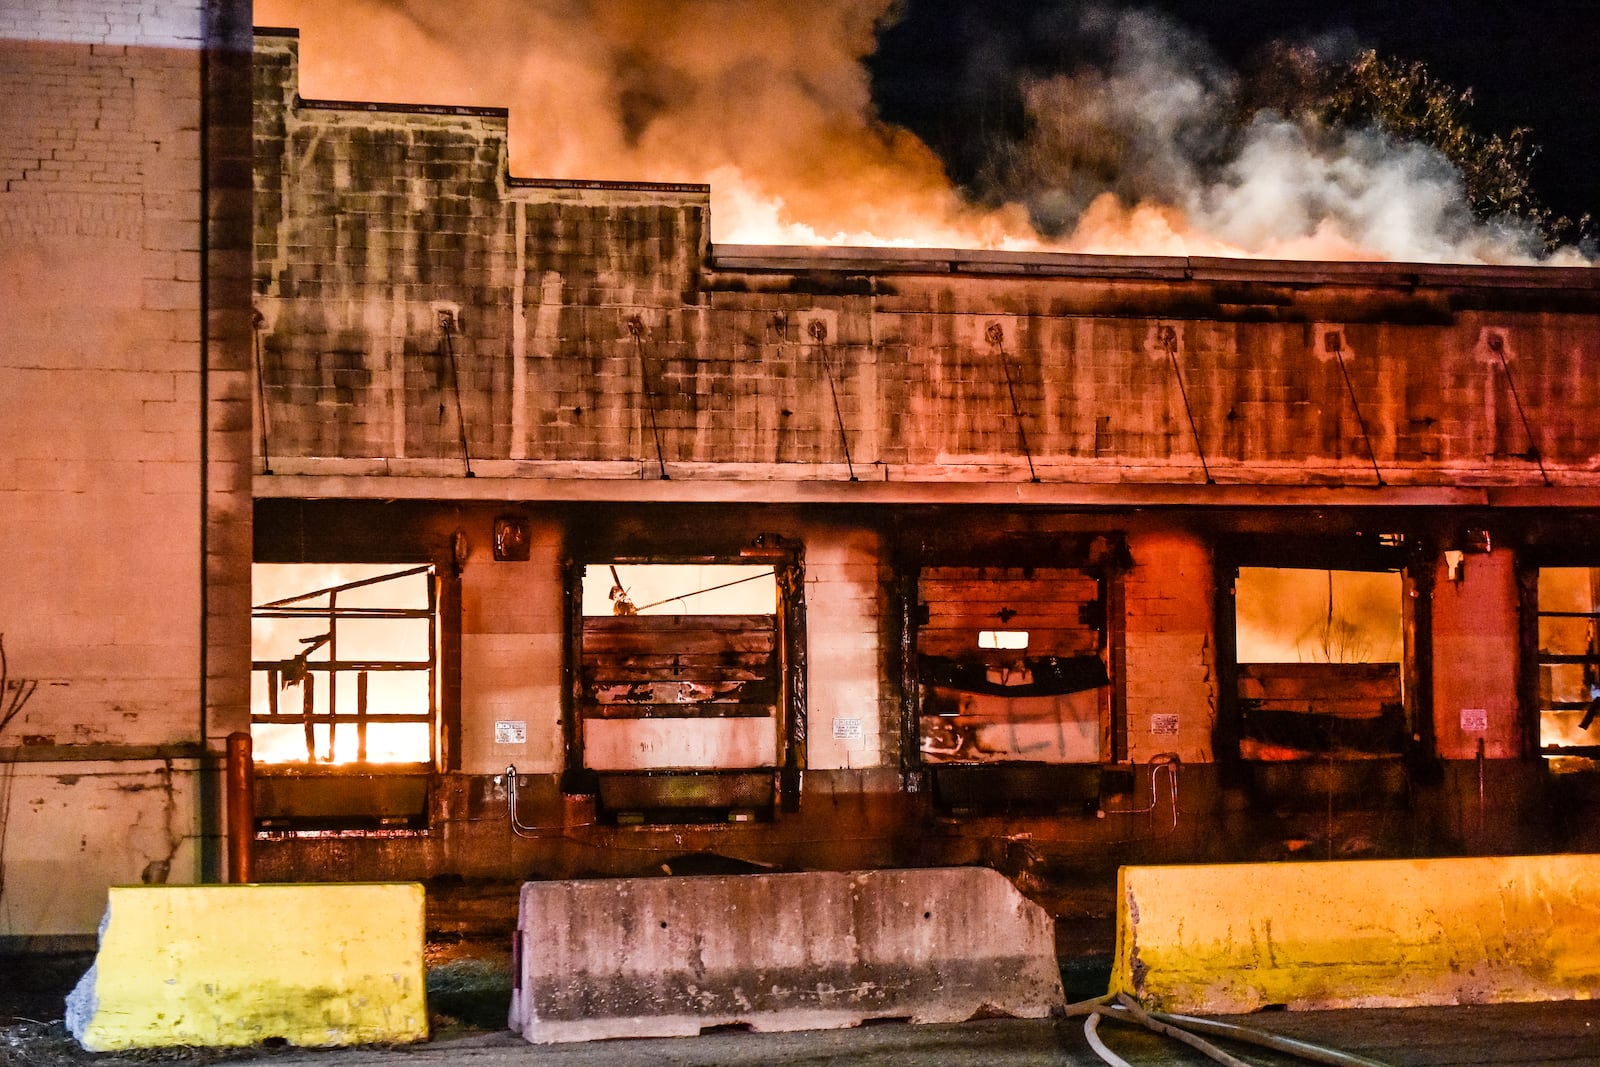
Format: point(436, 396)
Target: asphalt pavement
point(1506, 1035)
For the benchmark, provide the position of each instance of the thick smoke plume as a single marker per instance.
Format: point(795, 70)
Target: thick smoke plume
point(769, 101)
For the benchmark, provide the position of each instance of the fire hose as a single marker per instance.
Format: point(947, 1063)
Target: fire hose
point(1186, 1028)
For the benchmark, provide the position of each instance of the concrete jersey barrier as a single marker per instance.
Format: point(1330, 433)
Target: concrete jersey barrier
point(334, 964)
point(665, 957)
point(1370, 933)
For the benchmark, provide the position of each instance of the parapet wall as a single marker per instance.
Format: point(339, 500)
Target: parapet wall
point(590, 331)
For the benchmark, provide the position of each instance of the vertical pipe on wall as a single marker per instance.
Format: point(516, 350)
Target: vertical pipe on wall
point(241, 808)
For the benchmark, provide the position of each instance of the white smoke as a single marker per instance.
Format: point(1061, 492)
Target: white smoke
point(770, 101)
point(1142, 153)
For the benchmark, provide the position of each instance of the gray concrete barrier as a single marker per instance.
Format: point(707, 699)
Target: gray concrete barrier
point(667, 957)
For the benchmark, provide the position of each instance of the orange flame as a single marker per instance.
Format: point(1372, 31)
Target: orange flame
point(770, 103)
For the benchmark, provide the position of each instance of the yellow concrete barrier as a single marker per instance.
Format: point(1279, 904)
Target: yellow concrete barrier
point(1374, 933)
point(241, 964)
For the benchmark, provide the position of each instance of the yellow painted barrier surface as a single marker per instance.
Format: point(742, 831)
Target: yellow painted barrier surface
point(1375, 933)
point(336, 964)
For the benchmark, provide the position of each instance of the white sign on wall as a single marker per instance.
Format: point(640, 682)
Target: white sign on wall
point(1164, 725)
point(847, 729)
point(1474, 720)
point(510, 732)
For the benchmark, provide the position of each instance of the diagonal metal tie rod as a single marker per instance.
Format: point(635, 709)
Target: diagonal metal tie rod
point(1334, 341)
point(996, 336)
point(636, 328)
point(1497, 345)
point(1169, 341)
point(818, 331)
point(257, 322)
point(447, 326)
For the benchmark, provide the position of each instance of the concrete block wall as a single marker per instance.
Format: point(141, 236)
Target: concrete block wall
point(74, 828)
point(596, 320)
point(124, 427)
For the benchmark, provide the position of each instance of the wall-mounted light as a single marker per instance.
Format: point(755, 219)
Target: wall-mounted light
point(511, 539)
point(1454, 562)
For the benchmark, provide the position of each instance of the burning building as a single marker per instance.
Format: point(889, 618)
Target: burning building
point(531, 533)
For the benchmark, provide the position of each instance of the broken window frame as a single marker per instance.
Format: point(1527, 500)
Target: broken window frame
point(331, 668)
point(1012, 784)
point(786, 558)
point(1401, 553)
point(1534, 657)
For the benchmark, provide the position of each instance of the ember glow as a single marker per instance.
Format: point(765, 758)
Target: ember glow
point(277, 640)
point(769, 102)
point(1312, 616)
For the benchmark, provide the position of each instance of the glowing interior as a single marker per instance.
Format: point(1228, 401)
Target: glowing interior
point(680, 589)
point(1288, 615)
point(389, 692)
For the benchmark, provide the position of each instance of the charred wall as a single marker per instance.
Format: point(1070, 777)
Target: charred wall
point(442, 346)
point(588, 323)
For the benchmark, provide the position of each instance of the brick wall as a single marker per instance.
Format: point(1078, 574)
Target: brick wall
point(1171, 653)
point(1475, 656)
point(126, 525)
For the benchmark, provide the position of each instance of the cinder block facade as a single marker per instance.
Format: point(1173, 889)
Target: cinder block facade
point(936, 440)
point(1031, 523)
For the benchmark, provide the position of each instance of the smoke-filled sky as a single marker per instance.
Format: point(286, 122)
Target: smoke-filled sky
point(972, 123)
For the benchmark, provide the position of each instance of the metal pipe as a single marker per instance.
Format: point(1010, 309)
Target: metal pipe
point(511, 806)
point(1277, 1042)
point(241, 808)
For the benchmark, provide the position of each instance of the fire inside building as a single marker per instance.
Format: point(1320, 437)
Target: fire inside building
point(529, 534)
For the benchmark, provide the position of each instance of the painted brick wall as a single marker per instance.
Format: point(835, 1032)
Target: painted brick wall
point(123, 586)
point(512, 635)
point(1171, 657)
point(1475, 656)
point(846, 605)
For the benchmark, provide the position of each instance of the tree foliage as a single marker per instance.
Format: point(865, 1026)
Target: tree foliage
point(1405, 101)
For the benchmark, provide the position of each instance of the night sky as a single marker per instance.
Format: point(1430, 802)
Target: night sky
point(946, 67)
